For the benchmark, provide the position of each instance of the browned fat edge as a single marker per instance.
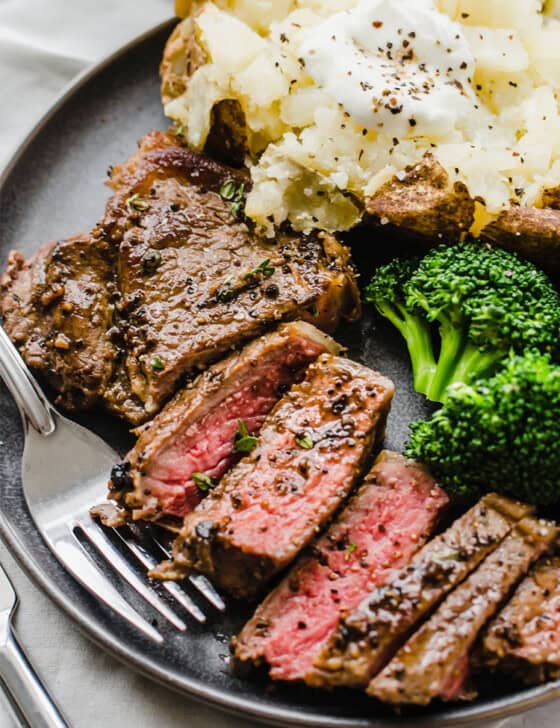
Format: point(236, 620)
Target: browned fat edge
point(367, 639)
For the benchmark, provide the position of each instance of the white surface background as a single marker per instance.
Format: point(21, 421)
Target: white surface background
point(43, 45)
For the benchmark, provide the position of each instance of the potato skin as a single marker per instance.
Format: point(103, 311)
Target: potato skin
point(532, 232)
point(182, 57)
point(423, 205)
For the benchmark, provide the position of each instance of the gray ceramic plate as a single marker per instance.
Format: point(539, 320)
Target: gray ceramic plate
point(53, 188)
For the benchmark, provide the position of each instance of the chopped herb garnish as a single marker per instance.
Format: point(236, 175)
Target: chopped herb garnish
point(243, 441)
point(443, 556)
point(350, 550)
point(264, 269)
point(157, 363)
point(305, 441)
point(203, 482)
point(228, 189)
point(225, 293)
point(150, 261)
point(239, 200)
point(135, 202)
point(232, 193)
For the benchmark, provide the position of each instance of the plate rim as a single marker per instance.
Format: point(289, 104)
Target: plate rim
point(193, 688)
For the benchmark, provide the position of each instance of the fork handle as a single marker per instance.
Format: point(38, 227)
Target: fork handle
point(33, 405)
point(22, 681)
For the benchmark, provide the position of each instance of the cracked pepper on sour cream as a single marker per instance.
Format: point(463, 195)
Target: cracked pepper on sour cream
point(394, 65)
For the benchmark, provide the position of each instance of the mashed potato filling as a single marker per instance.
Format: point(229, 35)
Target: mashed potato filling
point(341, 95)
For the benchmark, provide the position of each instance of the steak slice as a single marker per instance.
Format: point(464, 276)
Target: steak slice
point(170, 281)
point(195, 280)
point(434, 663)
point(195, 431)
point(58, 309)
point(524, 639)
point(367, 638)
point(390, 517)
point(311, 451)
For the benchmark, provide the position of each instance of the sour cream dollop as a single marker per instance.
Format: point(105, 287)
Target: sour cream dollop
point(402, 67)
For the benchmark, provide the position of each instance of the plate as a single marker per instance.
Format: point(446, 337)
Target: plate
point(53, 188)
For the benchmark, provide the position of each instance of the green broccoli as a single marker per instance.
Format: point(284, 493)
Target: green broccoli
point(483, 302)
point(386, 291)
point(500, 434)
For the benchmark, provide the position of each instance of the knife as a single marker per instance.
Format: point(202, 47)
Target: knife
point(16, 672)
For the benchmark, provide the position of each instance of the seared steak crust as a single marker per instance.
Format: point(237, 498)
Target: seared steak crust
point(388, 519)
point(434, 663)
point(366, 639)
point(195, 431)
point(170, 281)
point(524, 639)
point(58, 309)
point(311, 450)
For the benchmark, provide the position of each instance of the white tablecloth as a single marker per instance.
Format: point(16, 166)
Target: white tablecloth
point(43, 45)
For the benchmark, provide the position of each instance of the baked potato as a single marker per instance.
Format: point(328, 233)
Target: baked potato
point(422, 203)
point(183, 55)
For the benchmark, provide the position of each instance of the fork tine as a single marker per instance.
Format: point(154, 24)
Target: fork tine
point(206, 588)
point(72, 554)
point(200, 582)
point(148, 561)
point(115, 559)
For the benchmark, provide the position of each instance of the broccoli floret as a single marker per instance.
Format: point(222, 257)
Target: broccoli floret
point(485, 304)
point(500, 434)
point(386, 292)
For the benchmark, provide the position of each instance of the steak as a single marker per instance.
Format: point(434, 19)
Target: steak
point(434, 663)
point(390, 517)
point(312, 448)
point(195, 280)
point(524, 639)
point(195, 432)
point(58, 309)
point(171, 280)
point(367, 638)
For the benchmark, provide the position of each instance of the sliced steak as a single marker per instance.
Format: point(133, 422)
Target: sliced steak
point(58, 309)
point(390, 517)
point(195, 432)
point(171, 280)
point(310, 453)
point(524, 639)
point(367, 638)
point(196, 281)
point(434, 663)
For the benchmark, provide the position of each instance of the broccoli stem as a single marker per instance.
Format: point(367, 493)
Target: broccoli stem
point(418, 338)
point(453, 342)
point(474, 363)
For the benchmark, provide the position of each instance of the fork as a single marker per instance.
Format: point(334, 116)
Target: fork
point(30, 696)
point(65, 470)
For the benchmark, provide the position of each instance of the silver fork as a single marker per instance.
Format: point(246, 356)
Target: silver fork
point(65, 469)
point(17, 673)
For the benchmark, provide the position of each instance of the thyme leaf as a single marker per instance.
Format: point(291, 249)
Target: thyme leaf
point(304, 440)
point(135, 202)
point(243, 441)
point(203, 482)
